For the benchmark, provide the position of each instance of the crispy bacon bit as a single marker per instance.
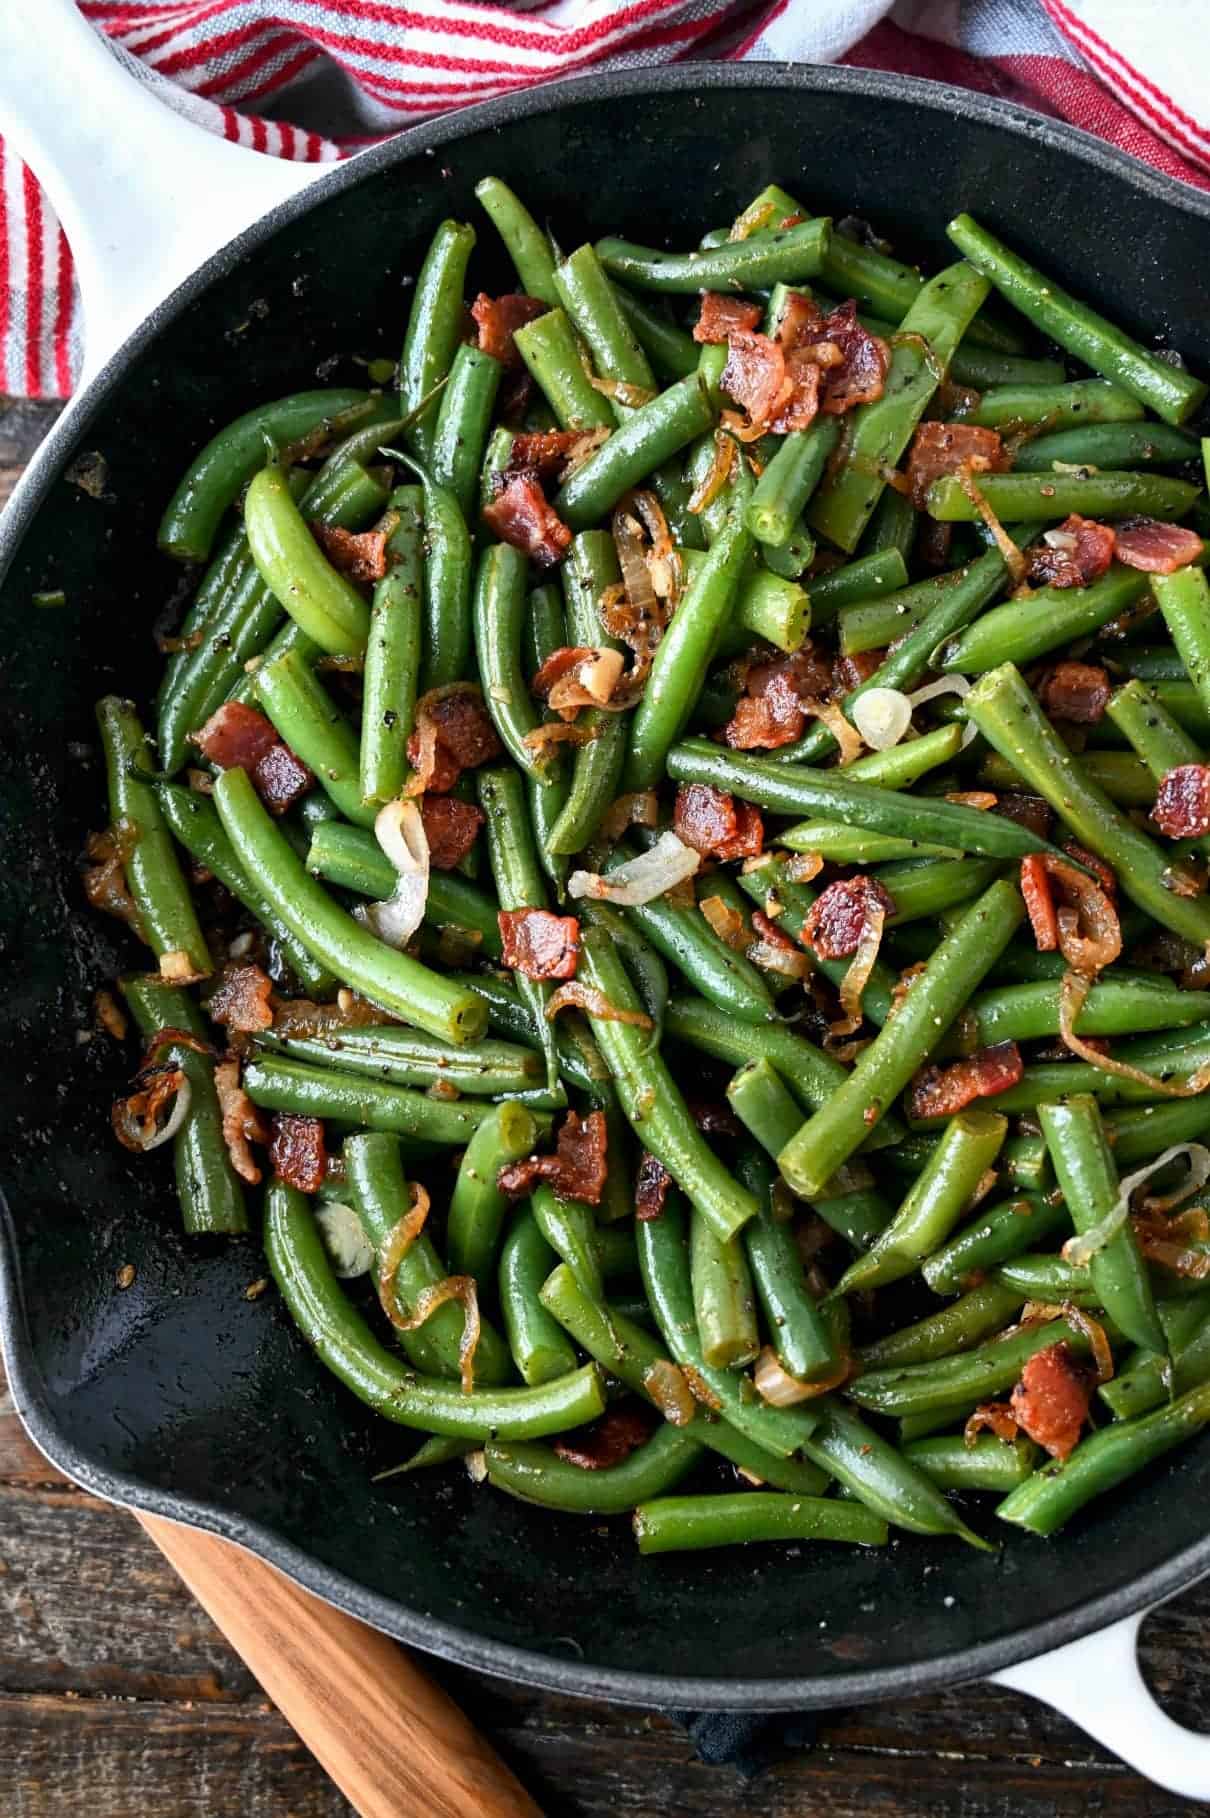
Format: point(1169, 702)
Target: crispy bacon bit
point(361, 555)
point(497, 320)
point(770, 933)
point(576, 1170)
point(849, 672)
point(755, 379)
point(722, 316)
point(235, 737)
point(944, 448)
point(105, 879)
point(281, 778)
point(607, 1441)
point(1100, 870)
point(940, 1091)
point(859, 375)
point(544, 452)
point(242, 1122)
point(540, 944)
point(1075, 691)
point(521, 514)
point(997, 1417)
point(451, 828)
point(713, 1118)
point(240, 1000)
point(1074, 554)
point(1082, 901)
point(137, 1118)
point(1050, 1402)
point(717, 825)
point(1035, 888)
point(1155, 547)
point(297, 1151)
point(453, 733)
point(838, 916)
point(650, 1187)
point(1182, 802)
point(774, 707)
point(1027, 810)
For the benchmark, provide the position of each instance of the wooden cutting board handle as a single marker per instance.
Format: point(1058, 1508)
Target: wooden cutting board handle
point(392, 1741)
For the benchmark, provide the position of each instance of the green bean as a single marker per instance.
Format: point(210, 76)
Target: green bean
point(496, 458)
point(724, 1301)
point(678, 1524)
point(837, 844)
point(431, 1454)
point(1048, 1499)
point(352, 858)
point(995, 1236)
point(215, 476)
point(643, 963)
point(858, 1217)
point(1137, 1134)
point(1015, 497)
point(789, 480)
point(194, 821)
point(463, 421)
point(552, 355)
point(536, 1474)
point(434, 327)
point(1007, 714)
point(526, 244)
point(282, 1084)
point(686, 940)
point(1024, 1013)
point(766, 606)
point(1184, 600)
point(326, 606)
point(797, 1328)
point(988, 1464)
point(785, 257)
point(651, 1100)
point(936, 1202)
point(1114, 445)
point(1049, 1279)
point(970, 1376)
point(918, 1426)
point(831, 1135)
point(344, 1342)
point(446, 639)
point(1149, 1378)
point(812, 1075)
point(1124, 778)
point(539, 1347)
point(590, 567)
point(393, 655)
point(404, 1057)
point(901, 765)
point(228, 569)
point(925, 888)
point(672, 352)
point(629, 1352)
point(1161, 743)
point(167, 919)
point(881, 1477)
point(892, 526)
point(477, 1206)
point(763, 1104)
point(1166, 389)
point(381, 1197)
point(211, 1197)
point(593, 305)
point(1088, 1178)
point(546, 632)
point(732, 496)
point(873, 624)
point(499, 611)
point(1175, 1055)
point(881, 571)
point(1181, 701)
point(984, 368)
point(388, 978)
point(569, 1229)
point(880, 432)
point(519, 882)
point(1061, 406)
point(650, 435)
point(793, 789)
point(964, 1323)
point(316, 731)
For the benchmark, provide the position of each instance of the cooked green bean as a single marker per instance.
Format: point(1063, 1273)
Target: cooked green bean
point(463, 421)
point(316, 731)
point(988, 1464)
point(1054, 406)
point(784, 256)
point(528, 247)
point(393, 654)
point(798, 1329)
point(1015, 497)
point(536, 1474)
point(649, 436)
point(477, 1206)
point(1148, 1378)
point(552, 354)
point(322, 603)
point(881, 571)
point(677, 1524)
point(1115, 445)
point(964, 1323)
point(538, 1343)
point(434, 327)
point(501, 596)
point(995, 1236)
point(590, 568)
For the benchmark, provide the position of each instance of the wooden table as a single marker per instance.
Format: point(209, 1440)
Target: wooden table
point(118, 1697)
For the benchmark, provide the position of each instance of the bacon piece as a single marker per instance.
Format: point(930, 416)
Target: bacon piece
point(361, 555)
point(713, 1118)
point(1083, 924)
point(849, 672)
point(242, 1122)
point(1027, 810)
point(997, 1417)
point(542, 451)
point(1182, 802)
point(521, 514)
point(451, 828)
point(1100, 870)
point(650, 1187)
point(722, 316)
point(1073, 566)
point(576, 1170)
point(838, 916)
point(1078, 692)
point(940, 1091)
point(540, 944)
point(559, 663)
point(235, 737)
point(1050, 1402)
point(240, 1000)
point(453, 733)
point(717, 825)
point(297, 1151)
point(606, 1441)
point(773, 709)
point(281, 778)
point(497, 320)
point(859, 376)
point(1035, 888)
point(942, 448)
point(1155, 547)
point(771, 934)
point(755, 376)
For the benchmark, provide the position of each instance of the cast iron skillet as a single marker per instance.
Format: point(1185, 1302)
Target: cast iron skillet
point(181, 1396)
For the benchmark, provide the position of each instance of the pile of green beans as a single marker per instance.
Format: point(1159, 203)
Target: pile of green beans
point(796, 1274)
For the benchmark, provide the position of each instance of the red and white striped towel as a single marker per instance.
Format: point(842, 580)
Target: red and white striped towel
point(348, 72)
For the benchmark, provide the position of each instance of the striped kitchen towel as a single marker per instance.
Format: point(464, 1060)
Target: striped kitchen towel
point(339, 74)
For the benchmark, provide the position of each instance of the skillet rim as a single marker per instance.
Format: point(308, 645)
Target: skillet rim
point(460, 1645)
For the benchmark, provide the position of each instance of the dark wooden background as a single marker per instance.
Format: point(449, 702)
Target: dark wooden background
point(119, 1699)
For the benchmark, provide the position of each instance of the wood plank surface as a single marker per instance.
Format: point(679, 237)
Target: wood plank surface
point(119, 1698)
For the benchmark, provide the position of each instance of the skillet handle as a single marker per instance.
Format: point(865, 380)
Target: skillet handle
point(1097, 1684)
point(143, 195)
point(391, 1740)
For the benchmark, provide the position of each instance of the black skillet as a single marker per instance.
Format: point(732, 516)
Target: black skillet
point(181, 1397)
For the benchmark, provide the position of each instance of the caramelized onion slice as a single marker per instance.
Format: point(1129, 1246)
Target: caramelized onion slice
point(854, 982)
point(1081, 1249)
point(643, 878)
point(577, 996)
